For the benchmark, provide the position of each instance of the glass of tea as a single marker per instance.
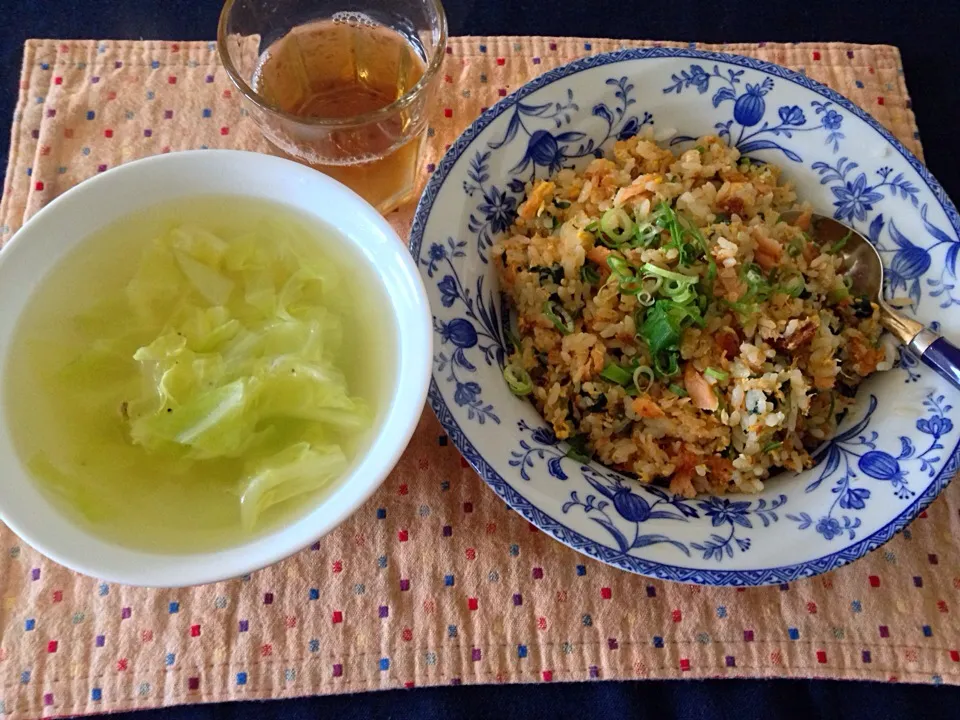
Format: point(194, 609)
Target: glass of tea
point(341, 85)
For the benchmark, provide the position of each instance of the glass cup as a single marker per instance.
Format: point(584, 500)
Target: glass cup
point(341, 85)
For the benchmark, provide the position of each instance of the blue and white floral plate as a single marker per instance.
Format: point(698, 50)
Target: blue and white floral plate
point(895, 452)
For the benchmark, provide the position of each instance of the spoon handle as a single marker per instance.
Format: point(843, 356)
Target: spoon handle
point(937, 353)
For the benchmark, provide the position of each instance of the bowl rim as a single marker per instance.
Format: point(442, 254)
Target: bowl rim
point(176, 570)
point(559, 531)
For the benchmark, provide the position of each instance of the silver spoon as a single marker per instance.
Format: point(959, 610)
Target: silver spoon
point(862, 264)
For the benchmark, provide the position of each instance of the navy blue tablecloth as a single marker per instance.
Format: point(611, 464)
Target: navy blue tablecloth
point(926, 33)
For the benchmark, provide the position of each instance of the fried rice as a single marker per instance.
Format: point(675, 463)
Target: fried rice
point(672, 326)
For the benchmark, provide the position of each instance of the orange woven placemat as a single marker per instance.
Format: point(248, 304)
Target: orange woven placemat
point(434, 581)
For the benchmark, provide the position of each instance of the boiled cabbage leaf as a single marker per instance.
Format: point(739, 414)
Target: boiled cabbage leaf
point(298, 469)
point(238, 355)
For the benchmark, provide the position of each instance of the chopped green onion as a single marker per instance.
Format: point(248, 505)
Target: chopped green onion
point(754, 275)
point(689, 228)
point(838, 295)
point(681, 227)
point(661, 329)
point(743, 309)
point(616, 374)
point(644, 235)
point(518, 380)
point(680, 292)
point(700, 149)
point(677, 390)
point(616, 225)
point(666, 218)
point(795, 247)
point(664, 215)
point(652, 283)
point(769, 447)
point(794, 288)
point(792, 283)
point(558, 316)
point(757, 286)
point(619, 266)
point(839, 244)
point(666, 364)
point(847, 282)
point(672, 287)
point(645, 298)
point(664, 323)
point(631, 285)
point(638, 378)
point(652, 269)
point(591, 227)
point(681, 295)
point(690, 315)
point(718, 375)
point(588, 274)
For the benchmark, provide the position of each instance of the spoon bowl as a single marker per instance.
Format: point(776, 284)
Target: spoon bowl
point(863, 267)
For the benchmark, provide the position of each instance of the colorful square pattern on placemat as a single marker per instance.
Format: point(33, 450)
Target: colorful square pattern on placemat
point(434, 580)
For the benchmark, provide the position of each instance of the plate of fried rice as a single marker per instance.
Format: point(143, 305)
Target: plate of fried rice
point(644, 348)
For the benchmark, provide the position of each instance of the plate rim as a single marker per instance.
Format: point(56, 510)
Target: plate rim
point(543, 521)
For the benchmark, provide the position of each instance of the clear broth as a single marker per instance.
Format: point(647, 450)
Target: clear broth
point(141, 500)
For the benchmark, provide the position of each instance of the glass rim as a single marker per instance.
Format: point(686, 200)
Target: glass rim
point(433, 66)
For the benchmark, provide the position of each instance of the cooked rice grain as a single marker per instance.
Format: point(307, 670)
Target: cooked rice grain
point(760, 377)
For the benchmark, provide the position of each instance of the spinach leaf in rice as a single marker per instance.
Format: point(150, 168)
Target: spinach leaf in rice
point(552, 274)
point(589, 274)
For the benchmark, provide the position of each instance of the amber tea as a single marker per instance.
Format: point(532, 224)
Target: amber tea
point(344, 68)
